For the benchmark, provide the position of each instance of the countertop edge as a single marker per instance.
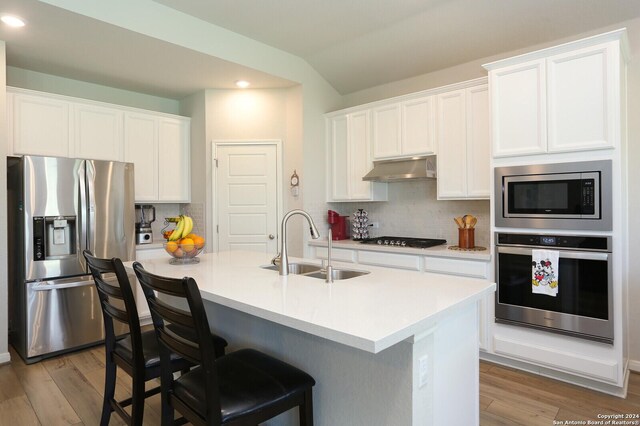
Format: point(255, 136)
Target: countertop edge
point(438, 251)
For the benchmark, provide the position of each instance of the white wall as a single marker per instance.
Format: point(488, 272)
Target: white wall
point(27, 79)
point(4, 347)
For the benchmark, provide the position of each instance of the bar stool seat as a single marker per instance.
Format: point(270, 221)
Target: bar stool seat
point(252, 382)
point(150, 351)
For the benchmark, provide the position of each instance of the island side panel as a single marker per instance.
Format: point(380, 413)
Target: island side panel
point(456, 369)
point(354, 387)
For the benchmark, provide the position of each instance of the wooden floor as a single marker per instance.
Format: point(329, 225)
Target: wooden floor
point(67, 390)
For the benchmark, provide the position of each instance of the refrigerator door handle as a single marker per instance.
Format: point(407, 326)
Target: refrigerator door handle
point(82, 215)
point(91, 205)
point(49, 285)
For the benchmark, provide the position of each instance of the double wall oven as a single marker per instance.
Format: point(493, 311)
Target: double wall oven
point(542, 210)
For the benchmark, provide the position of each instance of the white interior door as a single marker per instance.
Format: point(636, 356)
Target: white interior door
point(247, 197)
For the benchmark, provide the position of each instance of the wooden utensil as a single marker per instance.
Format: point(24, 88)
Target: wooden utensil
point(467, 219)
point(474, 220)
point(459, 222)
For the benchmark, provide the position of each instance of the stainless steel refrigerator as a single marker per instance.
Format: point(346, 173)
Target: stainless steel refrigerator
point(58, 207)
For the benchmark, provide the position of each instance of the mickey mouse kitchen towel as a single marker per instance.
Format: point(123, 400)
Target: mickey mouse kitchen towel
point(544, 275)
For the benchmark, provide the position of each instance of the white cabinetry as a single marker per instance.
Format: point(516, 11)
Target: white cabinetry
point(403, 129)
point(349, 159)
point(173, 154)
point(560, 99)
point(39, 125)
point(141, 302)
point(97, 132)
point(463, 143)
point(54, 125)
point(159, 148)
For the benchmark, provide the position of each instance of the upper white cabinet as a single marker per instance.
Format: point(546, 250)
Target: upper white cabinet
point(463, 143)
point(54, 125)
point(158, 146)
point(349, 159)
point(97, 132)
point(141, 149)
point(39, 125)
point(174, 154)
point(562, 99)
point(403, 129)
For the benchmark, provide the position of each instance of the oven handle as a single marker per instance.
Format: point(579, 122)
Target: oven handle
point(586, 255)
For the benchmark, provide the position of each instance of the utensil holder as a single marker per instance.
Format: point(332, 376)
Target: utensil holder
point(466, 238)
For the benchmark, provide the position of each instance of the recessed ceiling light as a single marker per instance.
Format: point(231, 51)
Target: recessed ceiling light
point(243, 84)
point(12, 21)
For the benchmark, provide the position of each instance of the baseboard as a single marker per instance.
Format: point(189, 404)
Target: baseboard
point(634, 365)
point(5, 358)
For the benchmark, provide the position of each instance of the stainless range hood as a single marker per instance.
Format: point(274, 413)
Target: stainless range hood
point(403, 169)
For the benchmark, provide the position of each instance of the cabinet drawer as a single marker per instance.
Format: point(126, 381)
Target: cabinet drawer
point(404, 261)
point(340, 255)
point(468, 268)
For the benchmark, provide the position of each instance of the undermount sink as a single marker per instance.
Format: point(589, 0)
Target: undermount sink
point(297, 268)
point(315, 271)
point(337, 274)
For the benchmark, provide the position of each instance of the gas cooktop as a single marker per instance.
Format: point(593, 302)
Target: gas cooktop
point(404, 242)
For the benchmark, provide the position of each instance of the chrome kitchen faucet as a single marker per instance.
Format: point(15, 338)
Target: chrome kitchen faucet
point(282, 256)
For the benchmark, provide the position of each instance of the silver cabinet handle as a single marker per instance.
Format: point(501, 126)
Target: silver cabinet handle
point(271, 236)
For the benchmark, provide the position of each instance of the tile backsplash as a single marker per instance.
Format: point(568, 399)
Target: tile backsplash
point(414, 211)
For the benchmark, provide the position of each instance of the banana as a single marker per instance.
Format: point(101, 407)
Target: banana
point(188, 227)
point(177, 233)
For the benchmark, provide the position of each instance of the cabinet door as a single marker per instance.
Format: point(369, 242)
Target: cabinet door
point(581, 99)
point(338, 179)
point(518, 109)
point(174, 178)
point(360, 162)
point(478, 146)
point(452, 145)
point(386, 131)
point(40, 125)
point(418, 126)
point(141, 149)
point(98, 132)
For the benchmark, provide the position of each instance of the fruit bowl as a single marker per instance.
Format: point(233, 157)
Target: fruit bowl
point(184, 250)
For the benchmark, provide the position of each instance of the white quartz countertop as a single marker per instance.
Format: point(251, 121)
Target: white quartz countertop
point(438, 251)
point(371, 312)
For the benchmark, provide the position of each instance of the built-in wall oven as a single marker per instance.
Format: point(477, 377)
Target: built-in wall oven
point(582, 305)
point(575, 196)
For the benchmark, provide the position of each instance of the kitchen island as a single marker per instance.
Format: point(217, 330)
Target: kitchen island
point(386, 348)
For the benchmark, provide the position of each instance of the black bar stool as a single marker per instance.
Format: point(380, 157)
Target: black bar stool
point(245, 387)
point(137, 353)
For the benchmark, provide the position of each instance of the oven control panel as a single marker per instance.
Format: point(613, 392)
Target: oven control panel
point(558, 241)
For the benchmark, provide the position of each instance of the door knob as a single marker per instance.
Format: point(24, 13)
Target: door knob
point(271, 236)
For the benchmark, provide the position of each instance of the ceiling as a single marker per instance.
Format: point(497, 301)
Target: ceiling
point(353, 44)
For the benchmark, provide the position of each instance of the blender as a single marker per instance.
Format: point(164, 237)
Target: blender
point(145, 215)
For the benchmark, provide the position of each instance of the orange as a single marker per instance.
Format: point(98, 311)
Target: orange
point(186, 244)
point(171, 246)
point(191, 235)
point(198, 241)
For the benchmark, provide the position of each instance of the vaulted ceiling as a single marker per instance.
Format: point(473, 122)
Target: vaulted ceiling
point(353, 44)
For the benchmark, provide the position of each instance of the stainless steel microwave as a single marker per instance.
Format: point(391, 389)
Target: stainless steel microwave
point(554, 196)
